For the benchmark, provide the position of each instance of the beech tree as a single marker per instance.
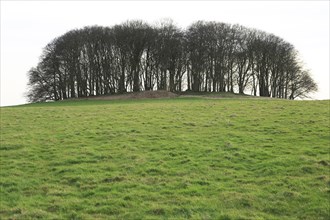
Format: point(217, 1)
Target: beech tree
point(135, 56)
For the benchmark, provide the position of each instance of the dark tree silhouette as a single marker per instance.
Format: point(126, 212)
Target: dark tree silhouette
point(135, 56)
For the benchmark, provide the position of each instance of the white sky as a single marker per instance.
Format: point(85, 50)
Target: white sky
point(27, 26)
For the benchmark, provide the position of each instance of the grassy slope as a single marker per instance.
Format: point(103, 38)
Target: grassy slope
point(168, 159)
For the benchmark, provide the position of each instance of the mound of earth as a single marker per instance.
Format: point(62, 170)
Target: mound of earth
point(137, 95)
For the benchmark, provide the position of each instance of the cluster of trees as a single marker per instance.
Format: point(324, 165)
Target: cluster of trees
point(135, 56)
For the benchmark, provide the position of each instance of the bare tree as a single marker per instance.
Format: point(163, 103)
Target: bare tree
point(134, 56)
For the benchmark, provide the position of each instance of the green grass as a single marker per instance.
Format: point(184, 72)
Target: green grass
point(182, 158)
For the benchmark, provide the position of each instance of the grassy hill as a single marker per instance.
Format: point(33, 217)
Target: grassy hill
point(178, 158)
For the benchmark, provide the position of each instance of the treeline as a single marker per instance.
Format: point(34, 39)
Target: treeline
point(135, 56)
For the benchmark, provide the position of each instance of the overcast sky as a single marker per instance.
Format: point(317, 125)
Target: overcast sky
point(27, 26)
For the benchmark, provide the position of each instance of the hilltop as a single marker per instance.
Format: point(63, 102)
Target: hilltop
point(135, 95)
point(161, 94)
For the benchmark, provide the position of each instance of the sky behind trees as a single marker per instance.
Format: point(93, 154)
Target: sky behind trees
point(26, 27)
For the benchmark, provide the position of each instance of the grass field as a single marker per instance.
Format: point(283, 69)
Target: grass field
point(181, 158)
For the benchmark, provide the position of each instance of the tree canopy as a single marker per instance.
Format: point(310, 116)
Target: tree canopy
point(136, 56)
